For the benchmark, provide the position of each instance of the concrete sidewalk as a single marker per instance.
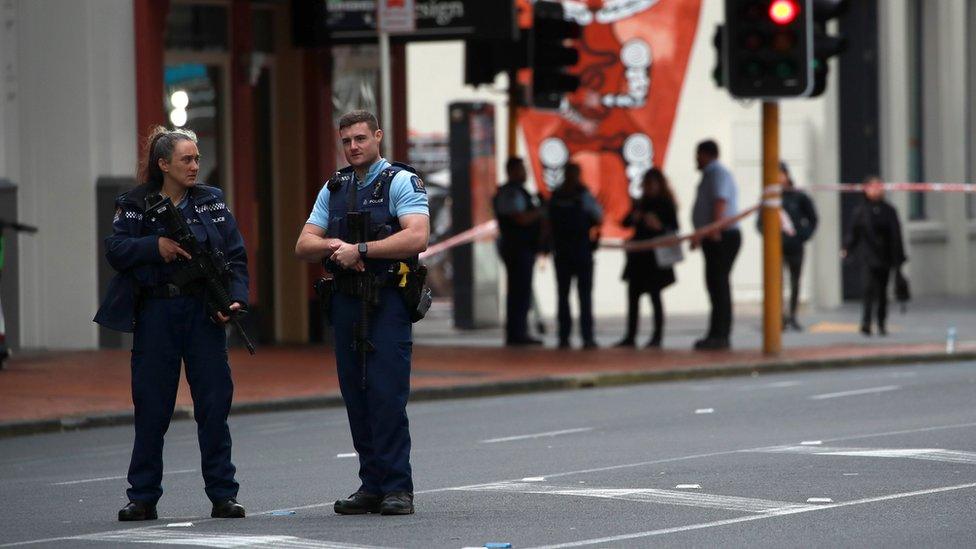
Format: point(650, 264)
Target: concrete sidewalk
point(47, 391)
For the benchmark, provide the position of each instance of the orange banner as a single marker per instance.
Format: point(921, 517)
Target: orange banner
point(616, 126)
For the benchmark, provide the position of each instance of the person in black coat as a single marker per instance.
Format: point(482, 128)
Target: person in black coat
point(875, 239)
point(652, 215)
point(802, 216)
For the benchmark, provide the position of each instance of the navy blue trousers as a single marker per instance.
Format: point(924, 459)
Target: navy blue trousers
point(168, 331)
point(576, 264)
point(378, 414)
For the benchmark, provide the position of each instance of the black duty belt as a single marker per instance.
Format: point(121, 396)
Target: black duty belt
point(166, 291)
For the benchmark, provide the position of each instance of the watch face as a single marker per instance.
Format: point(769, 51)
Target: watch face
point(362, 248)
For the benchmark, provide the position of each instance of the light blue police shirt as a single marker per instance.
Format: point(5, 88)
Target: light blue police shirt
point(407, 195)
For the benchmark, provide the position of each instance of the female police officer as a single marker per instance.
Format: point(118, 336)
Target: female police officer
point(172, 323)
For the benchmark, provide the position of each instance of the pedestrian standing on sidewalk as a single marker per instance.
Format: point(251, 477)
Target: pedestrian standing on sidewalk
point(653, 215)
point(520, 224)
point(171, 323)
point(575, 218)
point(874, 239)
point(716, 199)
point(801, 215)
point(375, 392)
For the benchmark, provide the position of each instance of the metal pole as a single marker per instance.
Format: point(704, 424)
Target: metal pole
point(386, 93)
point(772, 238)
point(513, 106)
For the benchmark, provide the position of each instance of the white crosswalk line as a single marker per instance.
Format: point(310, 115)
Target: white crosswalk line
point(926, 454)
point(205, 539)
point(646, 495)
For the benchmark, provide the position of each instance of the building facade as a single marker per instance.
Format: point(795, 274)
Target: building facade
point(74, 109)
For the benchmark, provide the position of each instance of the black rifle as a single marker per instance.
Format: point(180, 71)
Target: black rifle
point(204, 267)
point(358, 223)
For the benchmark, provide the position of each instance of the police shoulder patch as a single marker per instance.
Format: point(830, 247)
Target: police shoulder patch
point(418, 184)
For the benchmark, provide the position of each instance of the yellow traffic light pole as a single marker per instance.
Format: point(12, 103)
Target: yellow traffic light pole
point(513, 107)
point(772, 237)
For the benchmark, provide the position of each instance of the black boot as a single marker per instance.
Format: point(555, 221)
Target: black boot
point(138, 510)
point(627, 341)
point(397, 503)
point(359, 503)
point(228, 508)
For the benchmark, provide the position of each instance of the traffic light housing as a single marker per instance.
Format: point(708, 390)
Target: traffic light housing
point(551, 55)
point(825, 45)
point(718, 72)
point(496, 45)
point(768, 48)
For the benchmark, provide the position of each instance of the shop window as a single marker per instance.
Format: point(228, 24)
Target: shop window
point(263, 24)
point(192, 97)
point(196, 27)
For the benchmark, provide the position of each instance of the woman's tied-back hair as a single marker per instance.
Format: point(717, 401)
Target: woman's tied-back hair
point(161, 144)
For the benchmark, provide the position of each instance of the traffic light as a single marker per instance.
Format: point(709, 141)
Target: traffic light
point(825, 46)
point(550, 56)
point(496, 44)
point(768, 47)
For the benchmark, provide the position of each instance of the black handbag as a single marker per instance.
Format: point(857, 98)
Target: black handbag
point(903, 292)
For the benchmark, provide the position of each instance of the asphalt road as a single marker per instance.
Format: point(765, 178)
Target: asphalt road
point(882, 456)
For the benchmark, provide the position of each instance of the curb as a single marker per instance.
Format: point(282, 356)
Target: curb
point(552, 383)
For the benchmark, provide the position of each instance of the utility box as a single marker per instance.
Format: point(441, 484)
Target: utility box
point(473, 185)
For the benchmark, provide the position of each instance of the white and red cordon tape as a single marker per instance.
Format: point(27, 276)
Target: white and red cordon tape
point(916, 187)
point(489, 229)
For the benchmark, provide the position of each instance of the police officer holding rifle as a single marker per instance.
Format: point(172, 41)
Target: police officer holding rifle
point(368, 225)
point(182, 275)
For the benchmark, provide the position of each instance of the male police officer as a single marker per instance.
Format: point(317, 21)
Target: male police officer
point(376, 392)
point(519, 235)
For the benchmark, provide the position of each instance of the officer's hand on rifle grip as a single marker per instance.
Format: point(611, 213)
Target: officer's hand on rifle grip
point(348, 257)
point(224, 319)
point(170, 250)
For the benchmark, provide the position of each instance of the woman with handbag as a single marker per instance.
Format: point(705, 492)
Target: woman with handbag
point(653, 215)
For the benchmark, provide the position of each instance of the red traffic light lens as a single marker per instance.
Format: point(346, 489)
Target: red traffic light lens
point(783, 12)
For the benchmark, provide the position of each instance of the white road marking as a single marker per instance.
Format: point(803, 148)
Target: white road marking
point(927, 454)
point(579, 472)
point(868, 391)
point(811, 443)
point(120, 477)
point(201, 539)
point(819, 500)
point(705, 410)
point(772, 385)
point(349, 455)
point(537, 435)
point(645, 495)
point(749, 518)
point(534, 479)
point(179, 525)
point(688, 487)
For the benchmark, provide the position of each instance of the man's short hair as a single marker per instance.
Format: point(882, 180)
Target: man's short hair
point(513, 162)
point(355, 117)
point(708, 147)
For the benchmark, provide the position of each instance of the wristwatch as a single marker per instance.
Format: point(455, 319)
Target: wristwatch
point(363, 248)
